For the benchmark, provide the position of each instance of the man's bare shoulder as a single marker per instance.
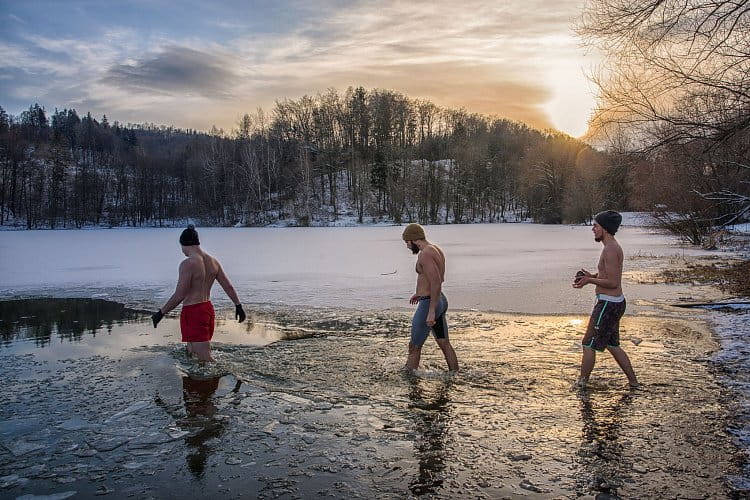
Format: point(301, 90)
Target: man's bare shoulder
point(190, 263)
point(431, 252)
point(613, 247)
point(613, 252)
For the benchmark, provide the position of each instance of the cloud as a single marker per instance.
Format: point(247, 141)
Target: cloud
point(15, 18)
point(176, 70)
point(513, 59)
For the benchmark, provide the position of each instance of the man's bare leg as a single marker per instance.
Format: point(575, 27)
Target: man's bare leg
point(587, 365)
point(624, 362)
point(449, 353)
point(415, 353)
point(203, 351)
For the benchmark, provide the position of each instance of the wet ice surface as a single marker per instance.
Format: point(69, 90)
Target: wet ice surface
point(308, 402)
point(733, 360)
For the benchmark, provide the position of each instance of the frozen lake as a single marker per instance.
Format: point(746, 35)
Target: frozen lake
point(523, 268)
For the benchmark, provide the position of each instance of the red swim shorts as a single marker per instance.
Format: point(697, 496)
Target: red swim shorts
point(197, 322)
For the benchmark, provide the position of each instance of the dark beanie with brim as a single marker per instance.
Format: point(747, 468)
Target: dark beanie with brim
point(609, 220)
point(189, 236)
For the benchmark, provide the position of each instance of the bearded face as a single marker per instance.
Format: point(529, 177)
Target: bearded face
point(598, 232)
point(413, 247)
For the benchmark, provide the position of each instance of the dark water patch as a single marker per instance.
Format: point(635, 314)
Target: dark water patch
point(42, 320)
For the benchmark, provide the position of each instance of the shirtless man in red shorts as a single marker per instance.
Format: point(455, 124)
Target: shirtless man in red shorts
point(197, 275)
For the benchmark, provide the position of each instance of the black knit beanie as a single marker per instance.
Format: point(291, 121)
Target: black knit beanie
point(609, 220)
point(189, 236)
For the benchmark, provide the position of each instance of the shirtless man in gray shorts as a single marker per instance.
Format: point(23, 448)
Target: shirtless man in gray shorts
point(603, 331)
point(432, 304)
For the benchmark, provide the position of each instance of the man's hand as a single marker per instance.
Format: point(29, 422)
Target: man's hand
point(239, 313)
point(430, 319)
point(156, 317)
point(581, 278)
point(582, 281)
point(414, 299)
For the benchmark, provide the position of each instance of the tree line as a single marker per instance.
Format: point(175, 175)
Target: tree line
point(364, 154)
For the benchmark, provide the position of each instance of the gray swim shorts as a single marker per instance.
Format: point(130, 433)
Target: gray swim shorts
point(419, 328)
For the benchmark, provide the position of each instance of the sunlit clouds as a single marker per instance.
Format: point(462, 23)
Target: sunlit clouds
point(197, 67)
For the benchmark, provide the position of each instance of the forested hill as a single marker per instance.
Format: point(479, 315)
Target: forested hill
point(365, 155)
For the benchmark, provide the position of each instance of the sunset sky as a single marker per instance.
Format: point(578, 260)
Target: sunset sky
point(194, 64)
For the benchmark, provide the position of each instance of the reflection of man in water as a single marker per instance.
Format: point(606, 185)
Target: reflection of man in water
point(601, 449)
point(430, 313)
point(431, 419)
point(200, 409)
point(603, 329)
point(196, 277)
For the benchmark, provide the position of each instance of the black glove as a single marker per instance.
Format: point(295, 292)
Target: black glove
point(156, 317)
point(239, 313)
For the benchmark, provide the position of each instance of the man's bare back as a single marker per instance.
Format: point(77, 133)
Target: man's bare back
point(202, 270)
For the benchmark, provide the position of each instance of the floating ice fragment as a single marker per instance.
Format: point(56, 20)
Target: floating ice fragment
point(55, 496)
point(177, 433)
point(233, 461)
point(75, 424)
point(103, 490)
point(85, 453)
point(269, 428)
point(8, 481)
point(290, 398)
point(20, 447)
point(528, 485)
point(108, 444)
point(138, 405)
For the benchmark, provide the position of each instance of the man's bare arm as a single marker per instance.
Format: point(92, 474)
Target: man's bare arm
point(183, 286)
point(432, 272)
point(223, 280)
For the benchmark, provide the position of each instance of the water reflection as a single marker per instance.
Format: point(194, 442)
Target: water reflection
point(38, 320)
point(429, 409)
point(601, 449)
point(202, 420)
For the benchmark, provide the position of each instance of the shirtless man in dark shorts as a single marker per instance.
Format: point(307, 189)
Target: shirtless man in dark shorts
point(603, 331)
point(430, 313)
point(197, 275)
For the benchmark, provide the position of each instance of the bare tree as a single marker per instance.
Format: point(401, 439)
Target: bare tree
point(676, 75)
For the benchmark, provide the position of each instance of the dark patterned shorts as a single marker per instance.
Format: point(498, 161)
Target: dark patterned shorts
point(604, 325)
